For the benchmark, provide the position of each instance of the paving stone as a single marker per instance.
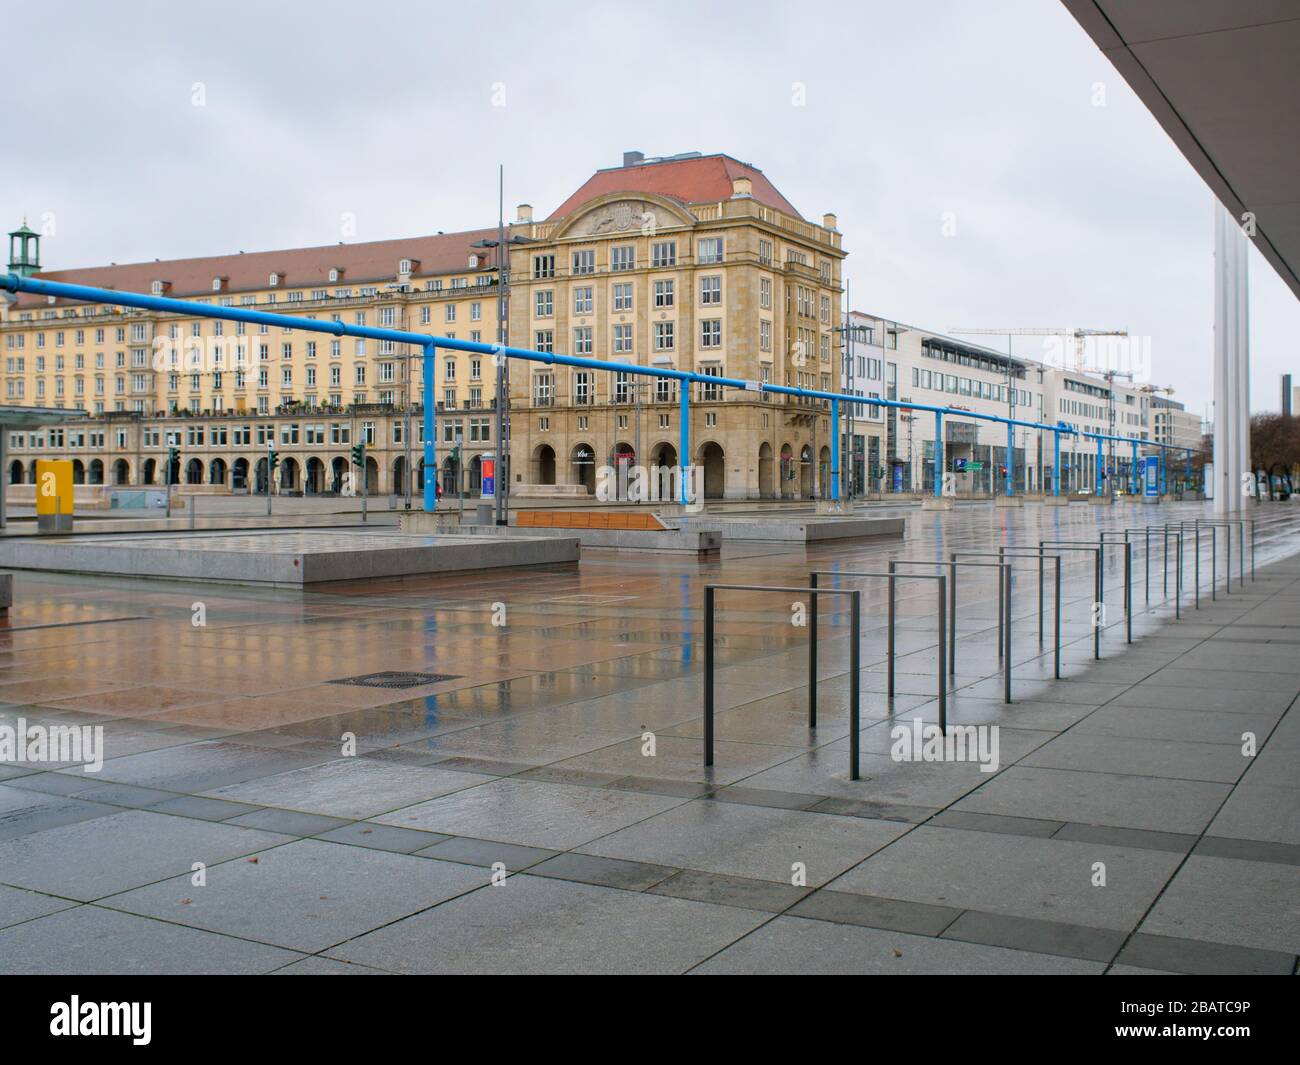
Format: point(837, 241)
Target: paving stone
point(875, 912)
point(91, 941)
point(204, 809)
point(1173, 954)
point(1018, 876)
point(350, 788)
point(750, 841)
point(1139, 838)
point(1249, 849)
point(558, 816)
point(1133, 756)
point(1158, 804)
point(17, 905)
point(1227, 900)
point(307, 895)
point(537, 925)
point(1008, 826)
point(798, 946)
point(742, 892)
point(91, 859)
point(609, 872)
point(288, 822)
point(1042, 937)
point(382, 837)
point(23, 812)
point(484, 852)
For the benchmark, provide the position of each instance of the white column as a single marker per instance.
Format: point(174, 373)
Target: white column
point(1231, 363)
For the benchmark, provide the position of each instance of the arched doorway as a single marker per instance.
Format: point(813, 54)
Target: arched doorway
point(785, 490)
point(194, 472)
point(78, 472)
point(824, 473)
point(544, 465)
point(338, 473)
point(15, 472)
point(262, 481)
point(805, 472)
point(217, 471)
point(766, 489)
point(314, 484)
point(450, 476)
point(419, 477)
point(121, 472)
point(582, 463)
point(290, 476)
point(150, 470)
point(96, 471)
point(475, 485)
point(715, 470)
point(372, 476)
point(399, 475)
point(239, 474)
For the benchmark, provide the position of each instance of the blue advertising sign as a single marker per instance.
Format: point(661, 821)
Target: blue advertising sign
point(1151, 475)
point(898, 478)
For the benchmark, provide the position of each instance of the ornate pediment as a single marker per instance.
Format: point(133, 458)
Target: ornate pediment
point(630, 216)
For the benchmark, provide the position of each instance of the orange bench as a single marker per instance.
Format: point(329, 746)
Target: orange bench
point(588, 519)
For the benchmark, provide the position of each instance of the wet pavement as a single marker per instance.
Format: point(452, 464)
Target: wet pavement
point(530, 795)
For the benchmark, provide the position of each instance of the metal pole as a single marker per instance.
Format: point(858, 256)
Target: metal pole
point(1056, 589)
point(1197, 527)
point(1040, 594)
point(952, 618)
point(835, 451)
point(1011, 450)
point(684, 440)
point(1056, 462)
point(1214, 562)
point(1101, 602)
point(938, 454)
point(1001, 615)
point(890, 636)
point(812, 652)
point(1128, 588)
point(708, 675)
point(943, 685)
point(855, 681)
point(1006, 661)
point(430, 447)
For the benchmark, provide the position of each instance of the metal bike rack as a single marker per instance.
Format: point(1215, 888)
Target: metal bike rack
point(893, 578)
point(1098, 582)
point(1227, 524)
point(1004, 590)
point(1030, 552)
point(855, 639)
point(1166, 531)
point(1103, 543)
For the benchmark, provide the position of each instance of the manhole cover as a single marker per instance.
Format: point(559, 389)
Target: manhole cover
point(396, 679)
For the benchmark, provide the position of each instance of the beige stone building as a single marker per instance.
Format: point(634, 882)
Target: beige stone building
point(693, 262)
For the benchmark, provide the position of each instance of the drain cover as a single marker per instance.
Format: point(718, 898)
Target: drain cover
point(396, 679)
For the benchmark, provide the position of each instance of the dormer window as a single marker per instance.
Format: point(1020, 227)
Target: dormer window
point(218, 283)
point(273, 280)
point(404, 266)
point(473, 262)
point(335, 274)
point(159, 287)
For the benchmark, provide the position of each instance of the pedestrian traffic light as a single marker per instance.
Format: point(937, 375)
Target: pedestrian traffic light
point(358, 454)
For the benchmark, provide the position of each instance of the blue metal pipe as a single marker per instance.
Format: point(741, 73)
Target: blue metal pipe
point(430, 454)
point(835, 450)
point(1056, 464)
point(938, 453)
point(1011, 444)
point(683, 440)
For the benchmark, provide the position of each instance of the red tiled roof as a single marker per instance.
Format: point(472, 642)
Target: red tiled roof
point(698, 180)
point(375, 261)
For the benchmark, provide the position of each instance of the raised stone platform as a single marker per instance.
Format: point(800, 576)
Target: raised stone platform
point(695, 541)
point(289, 558)
point(796, 530)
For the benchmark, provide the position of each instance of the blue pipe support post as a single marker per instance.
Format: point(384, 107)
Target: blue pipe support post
point(938, 454)
point(1011, 444)
point(1133, 472)
point(835, 450)
point(430, 455)
point(1163, 464)
point(1056, 462)
point(1099, 478)
point(683, 440)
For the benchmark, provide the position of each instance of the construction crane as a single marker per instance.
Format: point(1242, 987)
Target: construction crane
point(1080, 337)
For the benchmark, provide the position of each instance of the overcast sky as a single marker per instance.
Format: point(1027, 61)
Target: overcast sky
point(162, 130)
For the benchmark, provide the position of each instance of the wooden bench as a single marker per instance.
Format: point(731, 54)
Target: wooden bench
point(588, 519)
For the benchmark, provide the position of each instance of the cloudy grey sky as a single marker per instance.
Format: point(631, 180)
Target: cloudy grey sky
point(1066, 213)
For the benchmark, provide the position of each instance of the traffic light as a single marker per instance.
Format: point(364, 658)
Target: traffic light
point(173, 456)
point(358, 454)
point(455, 454)
point(273, 459)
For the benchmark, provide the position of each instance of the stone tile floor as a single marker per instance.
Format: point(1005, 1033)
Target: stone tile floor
point(545, 807)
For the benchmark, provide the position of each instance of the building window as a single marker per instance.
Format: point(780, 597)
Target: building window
point(664, 340)
point(664, 293)
point(710, 250)
point(582, 299)
point(584, 262)
point(622, 339)
point(711, 290)
point(582, 340)
point(623, 296)
point(623, 257)
point(663, 253)
point(543, 266)
point(711, 333)
point(544, 301)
